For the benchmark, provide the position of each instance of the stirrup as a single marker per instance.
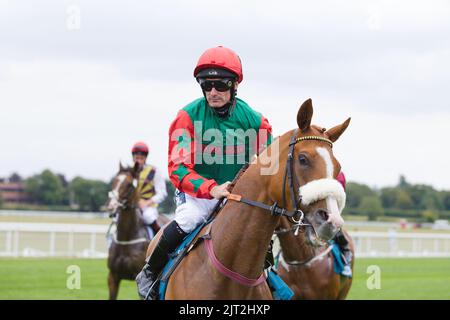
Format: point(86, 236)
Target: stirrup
point(146, 283)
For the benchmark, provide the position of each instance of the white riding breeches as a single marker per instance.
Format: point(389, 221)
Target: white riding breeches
point(150, 214)
point(192, 211)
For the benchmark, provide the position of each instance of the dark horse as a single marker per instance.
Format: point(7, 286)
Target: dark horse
point(306, 265)
point(126, 255)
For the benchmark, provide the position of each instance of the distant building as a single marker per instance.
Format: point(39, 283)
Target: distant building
point(13, 192)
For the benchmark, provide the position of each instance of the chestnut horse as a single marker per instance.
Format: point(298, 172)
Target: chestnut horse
point(306, 265)
point(238, 238)
point(126, 255)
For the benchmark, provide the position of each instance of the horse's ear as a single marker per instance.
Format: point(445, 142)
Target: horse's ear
point(335, 132)
point(136, 170)
point(120, 166)
point(304, 115)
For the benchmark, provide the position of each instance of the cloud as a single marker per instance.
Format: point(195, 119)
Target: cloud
point(75, 100)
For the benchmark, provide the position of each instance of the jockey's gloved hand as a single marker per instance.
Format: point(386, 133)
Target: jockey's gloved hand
point(220, 191)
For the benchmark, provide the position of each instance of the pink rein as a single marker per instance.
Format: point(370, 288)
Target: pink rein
point(229, 273)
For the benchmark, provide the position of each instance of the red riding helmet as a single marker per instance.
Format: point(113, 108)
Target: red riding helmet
point(222, 58)
point(139, 147)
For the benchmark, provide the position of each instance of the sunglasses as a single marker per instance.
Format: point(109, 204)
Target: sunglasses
point(139, 153)
point(220, 85)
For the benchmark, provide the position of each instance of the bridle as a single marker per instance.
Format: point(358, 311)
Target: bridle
point(296, 217)
point(126, 202)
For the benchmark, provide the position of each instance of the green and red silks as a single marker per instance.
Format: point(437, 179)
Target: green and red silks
point(206, 150)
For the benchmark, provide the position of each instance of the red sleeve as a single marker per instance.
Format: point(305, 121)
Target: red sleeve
point(182, 159)
point(341, 178)
point(264, 134)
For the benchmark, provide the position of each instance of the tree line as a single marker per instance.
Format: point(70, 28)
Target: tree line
point(413, 201)
point(54, 190)
point(420, 202)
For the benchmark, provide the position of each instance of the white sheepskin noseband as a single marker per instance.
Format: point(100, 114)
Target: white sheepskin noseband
point(321, 189)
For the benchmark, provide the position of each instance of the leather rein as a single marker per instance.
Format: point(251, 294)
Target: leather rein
point(290, 179)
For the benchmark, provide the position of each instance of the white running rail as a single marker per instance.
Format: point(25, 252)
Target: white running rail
point(88, 241)
point(52, 240)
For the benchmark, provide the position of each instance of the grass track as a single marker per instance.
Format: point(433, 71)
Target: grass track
point(46, 279)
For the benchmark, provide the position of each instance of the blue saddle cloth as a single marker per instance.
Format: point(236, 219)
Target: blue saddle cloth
point(187, 239)
point(280, 289)
point(338, 262)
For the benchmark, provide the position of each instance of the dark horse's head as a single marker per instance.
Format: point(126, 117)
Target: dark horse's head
point(320, 196)
point(123, 187)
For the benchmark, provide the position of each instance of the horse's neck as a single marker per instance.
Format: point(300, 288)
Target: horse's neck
point(241, 233)
point(294, 247)
point(128, 224)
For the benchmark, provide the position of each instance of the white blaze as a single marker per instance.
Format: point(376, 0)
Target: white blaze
point(328, 162)
point(334, 214)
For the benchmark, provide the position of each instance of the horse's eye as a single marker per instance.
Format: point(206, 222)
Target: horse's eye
point(303, 160)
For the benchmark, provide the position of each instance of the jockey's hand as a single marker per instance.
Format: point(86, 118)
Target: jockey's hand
point(221, 191)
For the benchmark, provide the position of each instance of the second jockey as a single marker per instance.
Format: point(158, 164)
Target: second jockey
point(151, 186)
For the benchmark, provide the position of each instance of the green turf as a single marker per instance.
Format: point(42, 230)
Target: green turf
point(46, 279)
point(403, 279)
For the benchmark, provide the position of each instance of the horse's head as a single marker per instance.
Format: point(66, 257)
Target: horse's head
point(123, 187)
point(313, 170)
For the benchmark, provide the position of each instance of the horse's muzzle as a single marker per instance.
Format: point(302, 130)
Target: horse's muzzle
point(326, 224)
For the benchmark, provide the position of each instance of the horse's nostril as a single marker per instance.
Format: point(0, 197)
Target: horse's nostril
point(323, 214)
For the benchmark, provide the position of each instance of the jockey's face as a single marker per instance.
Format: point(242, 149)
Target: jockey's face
point(140, 159)
point(217, 99)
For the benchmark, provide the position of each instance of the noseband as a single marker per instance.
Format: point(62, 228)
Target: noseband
point(290, 179)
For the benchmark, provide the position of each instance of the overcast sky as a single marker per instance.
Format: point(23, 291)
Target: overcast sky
point(81, 81)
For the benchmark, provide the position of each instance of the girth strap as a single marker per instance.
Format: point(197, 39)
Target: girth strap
point(229, 273)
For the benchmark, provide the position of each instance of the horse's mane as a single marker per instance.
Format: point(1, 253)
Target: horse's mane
point(238, 175)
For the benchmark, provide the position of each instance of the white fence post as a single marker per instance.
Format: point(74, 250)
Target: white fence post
point(52, 243)
point(16, 243)
point(93, 243)
point(71, 244)
point(8, 244)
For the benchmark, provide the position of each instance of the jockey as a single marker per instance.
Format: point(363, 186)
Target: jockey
point(200, 166)
point(151, 186)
